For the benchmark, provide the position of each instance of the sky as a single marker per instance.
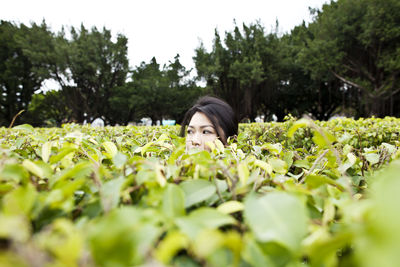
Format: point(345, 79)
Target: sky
point(161, 28)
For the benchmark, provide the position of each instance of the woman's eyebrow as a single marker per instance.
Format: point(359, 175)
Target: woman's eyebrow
point(202, 126)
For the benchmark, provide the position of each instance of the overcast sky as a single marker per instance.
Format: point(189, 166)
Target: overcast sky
point(161, 28)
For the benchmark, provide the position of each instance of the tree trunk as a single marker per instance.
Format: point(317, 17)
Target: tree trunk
point(375, 107)
point(247, 102)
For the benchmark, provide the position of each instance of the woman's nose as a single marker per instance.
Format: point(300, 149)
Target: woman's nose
point(196, 140)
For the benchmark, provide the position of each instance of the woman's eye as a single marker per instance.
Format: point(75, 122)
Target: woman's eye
point(207, 132)
point(189, 131)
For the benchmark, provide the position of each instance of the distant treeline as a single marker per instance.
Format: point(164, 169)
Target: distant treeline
point(345, 62)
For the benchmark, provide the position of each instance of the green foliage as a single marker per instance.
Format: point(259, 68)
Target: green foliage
point(48, 109)
point(358, 43)
point(155, 93)
point(345, 62)
point(377, 242)
point(277, 217)
point(91, 70)
point(20, 73)
point(244, 69)
point(294, 193)
point(95, 64)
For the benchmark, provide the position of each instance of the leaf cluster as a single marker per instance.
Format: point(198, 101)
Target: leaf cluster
point(300, 192)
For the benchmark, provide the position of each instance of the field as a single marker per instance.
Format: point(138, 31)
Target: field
point(297, 193)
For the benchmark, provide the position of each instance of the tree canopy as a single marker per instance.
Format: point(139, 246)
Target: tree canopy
point(345, 62)
point(358, 42)
point(21, 74)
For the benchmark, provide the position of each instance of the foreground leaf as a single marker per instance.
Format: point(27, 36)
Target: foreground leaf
point(197, 191)
point(278, 217)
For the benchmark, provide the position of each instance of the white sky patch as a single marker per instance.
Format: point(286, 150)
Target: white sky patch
point(162, 28)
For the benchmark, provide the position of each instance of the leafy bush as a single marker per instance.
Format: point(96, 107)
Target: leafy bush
point(295, 193)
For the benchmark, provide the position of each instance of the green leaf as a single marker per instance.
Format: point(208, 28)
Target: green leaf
point(170, 245)
point(344, 138)
point(173, 204)
point(372, 158)
point(208, 242)
point(352, 158)
point(20, 201)
point(160, 177)
point(119, 160)
point(277, 216)
point(33, 168)
point(243, 173)
point(66, 150)
point(14, 172)
point(298, 124)
point(316, 180)
point(263, 165)
point(110, 193)
point(378, 241)
point(197, 191)
point(122, 237)
point(14, 227)
point(201, 219)
point(349, 163)
point(81, 169)
point(254, 255)
point(46, 150)
point(176, 154)
point(24, 127)
point(390, 148)
point(211, 146)
point(64, 241)
point(219, 145)
point(61, 195)
point(278, 165)
point(210, 218)
point(5, 188)
point(230, 207)
point(273, 148)
point(110, 148)
point(302, 163)
point(288, 158)
point(322, 138)
point(144, 148)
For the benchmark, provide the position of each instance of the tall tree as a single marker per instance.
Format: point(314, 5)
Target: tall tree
point(95, 65)
point(182, 88)
point(150, 87)
point(87, 66)
point(244, 69)
point(301, 92)
point(358, 41)
point(20, 74)
point(48, 109)
point(156, 92)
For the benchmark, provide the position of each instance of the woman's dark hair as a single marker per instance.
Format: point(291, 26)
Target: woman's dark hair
point(218, 112)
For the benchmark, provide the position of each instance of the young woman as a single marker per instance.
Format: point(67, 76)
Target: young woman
point(210, 118)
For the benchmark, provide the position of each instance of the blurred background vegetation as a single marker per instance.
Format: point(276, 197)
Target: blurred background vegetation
point(345, 62)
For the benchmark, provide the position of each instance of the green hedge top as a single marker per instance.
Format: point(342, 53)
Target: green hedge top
point(298, 192)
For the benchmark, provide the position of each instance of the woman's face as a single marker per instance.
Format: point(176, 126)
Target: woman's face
point(200, 131)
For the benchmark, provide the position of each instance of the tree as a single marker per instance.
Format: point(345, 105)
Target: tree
point(20, 74)
point(156, 93)
point(302, 93)
point(150, 89)
point(183, 90)
point(48, 109)
point(95, 65)
point(359, 43)
point(245, 70)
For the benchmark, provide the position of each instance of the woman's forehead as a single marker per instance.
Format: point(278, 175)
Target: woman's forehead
point(200, 119)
